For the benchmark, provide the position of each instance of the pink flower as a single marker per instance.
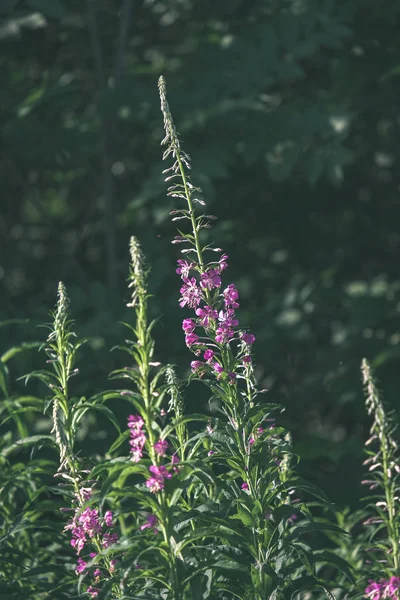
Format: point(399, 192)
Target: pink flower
point(81, 566)
point(151, 522)
point(108, 518)
point(247, 359)
point(190, 339)
point(93, 591)
point(135, 422)
point(78, 541)
point(108, 539)
point(248, 338)
point(208, 355)
point(393, 586)
point(184, 268)
point(155, 484)
point(210, 279)
point(196, 364)
point(188, 326)
point(137, 437)
point(373, 590)
point(85, 493)
point(112, 565)
point(160, 447)
point(231, 295)
point(97, 573)
point(222, 262)
point(227, 318)
point(251, 440)
point(245, 486)
point(89, 519)
point(224, 334)
point(206, 313)
point(191, 294)
point(160, 471)
point(218, 367)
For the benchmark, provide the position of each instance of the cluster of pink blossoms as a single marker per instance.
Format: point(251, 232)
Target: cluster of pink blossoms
point(159, 473)
point(220, 325)
point(84, 526)
point(137, 437)
point(383, 589)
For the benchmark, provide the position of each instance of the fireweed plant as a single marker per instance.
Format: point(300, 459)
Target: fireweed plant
point(382, 553)
point(257, 488)
point(182, 506)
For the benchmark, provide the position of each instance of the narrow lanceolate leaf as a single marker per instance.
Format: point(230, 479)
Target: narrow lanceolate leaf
point(29, 441)
point(4, 379)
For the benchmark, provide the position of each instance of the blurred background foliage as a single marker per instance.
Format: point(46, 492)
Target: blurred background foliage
point(290, 112)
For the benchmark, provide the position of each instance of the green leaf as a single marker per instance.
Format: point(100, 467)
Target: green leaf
point(29, 441)
point(4, 379)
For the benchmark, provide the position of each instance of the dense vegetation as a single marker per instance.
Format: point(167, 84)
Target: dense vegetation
point(289, 111)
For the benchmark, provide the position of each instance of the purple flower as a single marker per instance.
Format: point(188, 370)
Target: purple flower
point(188, 326)
point(196, 364)
point(248, 338)
point(112, 565)
point(97, 573)
point(222, 262)
point(151, 522)
point(251, 440)
point(231, 295)
point(78, 539)
point(190, 339)
point(206, 313)
point(373, 590)
point(135, 422)
point(89, 519)
point(137, 437)
point(392, 587)
point(245, 486)
point(108, 539)
point(208, 355)
point(191, 294)
point(93, 591)
point(160, 471)
point(155, 484)
point(108, 518)
point(160, 447)
point(85, 493)
point(184, 268)
point(247, 359)
point(210, 279)
point(81, 566)
point(224, 334)
point(218, 367)
point(227, 318)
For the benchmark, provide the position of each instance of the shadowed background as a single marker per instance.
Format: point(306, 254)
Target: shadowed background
point(290, 112)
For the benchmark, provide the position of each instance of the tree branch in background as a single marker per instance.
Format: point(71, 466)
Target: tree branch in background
point(107, 127)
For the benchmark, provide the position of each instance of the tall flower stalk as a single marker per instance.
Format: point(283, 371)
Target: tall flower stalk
point(146, 433)
point(246, 440)
point(383, 479)
point(89, 529)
